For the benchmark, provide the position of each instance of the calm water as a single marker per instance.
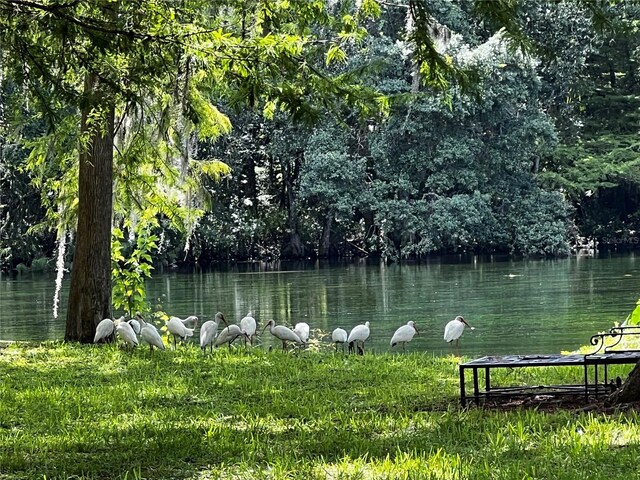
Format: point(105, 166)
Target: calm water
point(516, 306)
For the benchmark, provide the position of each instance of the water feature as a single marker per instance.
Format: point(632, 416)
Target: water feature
point(530, 306)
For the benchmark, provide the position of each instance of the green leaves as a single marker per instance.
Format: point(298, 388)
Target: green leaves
point(131, 269)
point(634, 317)
point(370, 9)
point(503, 14)
point(210, 122)
point(212, 168)
point(335, 54)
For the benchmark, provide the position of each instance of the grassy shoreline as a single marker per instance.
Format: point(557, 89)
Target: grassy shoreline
point(100, 412)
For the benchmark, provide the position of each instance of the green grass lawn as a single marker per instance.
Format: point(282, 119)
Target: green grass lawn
point(68, 411)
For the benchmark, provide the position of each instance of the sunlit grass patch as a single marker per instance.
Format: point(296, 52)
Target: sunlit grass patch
point(102, 412)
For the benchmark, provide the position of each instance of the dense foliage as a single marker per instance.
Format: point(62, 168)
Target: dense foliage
point(596, 162)
point(537, 150)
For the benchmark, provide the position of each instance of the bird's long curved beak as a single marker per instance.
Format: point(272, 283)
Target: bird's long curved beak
point(224, 320)
point(466, 323)
point(416, 329)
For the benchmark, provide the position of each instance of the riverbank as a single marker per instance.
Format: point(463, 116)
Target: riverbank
point(102, 412)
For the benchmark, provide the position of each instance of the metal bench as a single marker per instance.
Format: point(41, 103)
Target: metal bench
point(608, 352)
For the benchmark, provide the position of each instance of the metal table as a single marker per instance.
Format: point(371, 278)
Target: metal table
point(586, 388)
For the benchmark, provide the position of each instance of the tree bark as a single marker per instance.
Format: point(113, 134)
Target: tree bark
point(325, 249)
point(612, 76)
point(90, 291)
point(293, 247)
point(629, 391)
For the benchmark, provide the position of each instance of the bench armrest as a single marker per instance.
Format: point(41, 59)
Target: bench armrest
point(615, 334)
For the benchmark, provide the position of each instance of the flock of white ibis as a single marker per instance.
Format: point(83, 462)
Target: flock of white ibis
point(129, 330)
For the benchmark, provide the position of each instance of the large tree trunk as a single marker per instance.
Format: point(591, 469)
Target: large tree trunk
point(629, 391)
point(90, 291)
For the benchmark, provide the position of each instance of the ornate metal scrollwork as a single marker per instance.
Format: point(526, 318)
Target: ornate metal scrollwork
point(597, 341)
point(633, 329)
point(615, 334)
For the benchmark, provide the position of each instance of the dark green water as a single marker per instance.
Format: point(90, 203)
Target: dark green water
point(516, 306)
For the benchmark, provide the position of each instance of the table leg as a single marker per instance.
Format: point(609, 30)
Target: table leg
point(463, 396)
point(586, 382)
point(476, 389)
point(487, 380)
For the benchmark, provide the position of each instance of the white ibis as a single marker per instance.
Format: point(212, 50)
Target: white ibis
point(105, 329)
point(229, 335)
point(249, 326)
point(453, 330)
point(209, 330)
point(282, 333)
point(149, 333)
point(339, 335)
point(302, 330)
point(135, 324)
point(190, 322)
point(127, 334)
point(176, 327)
point(404, 334)
point(359, 333)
